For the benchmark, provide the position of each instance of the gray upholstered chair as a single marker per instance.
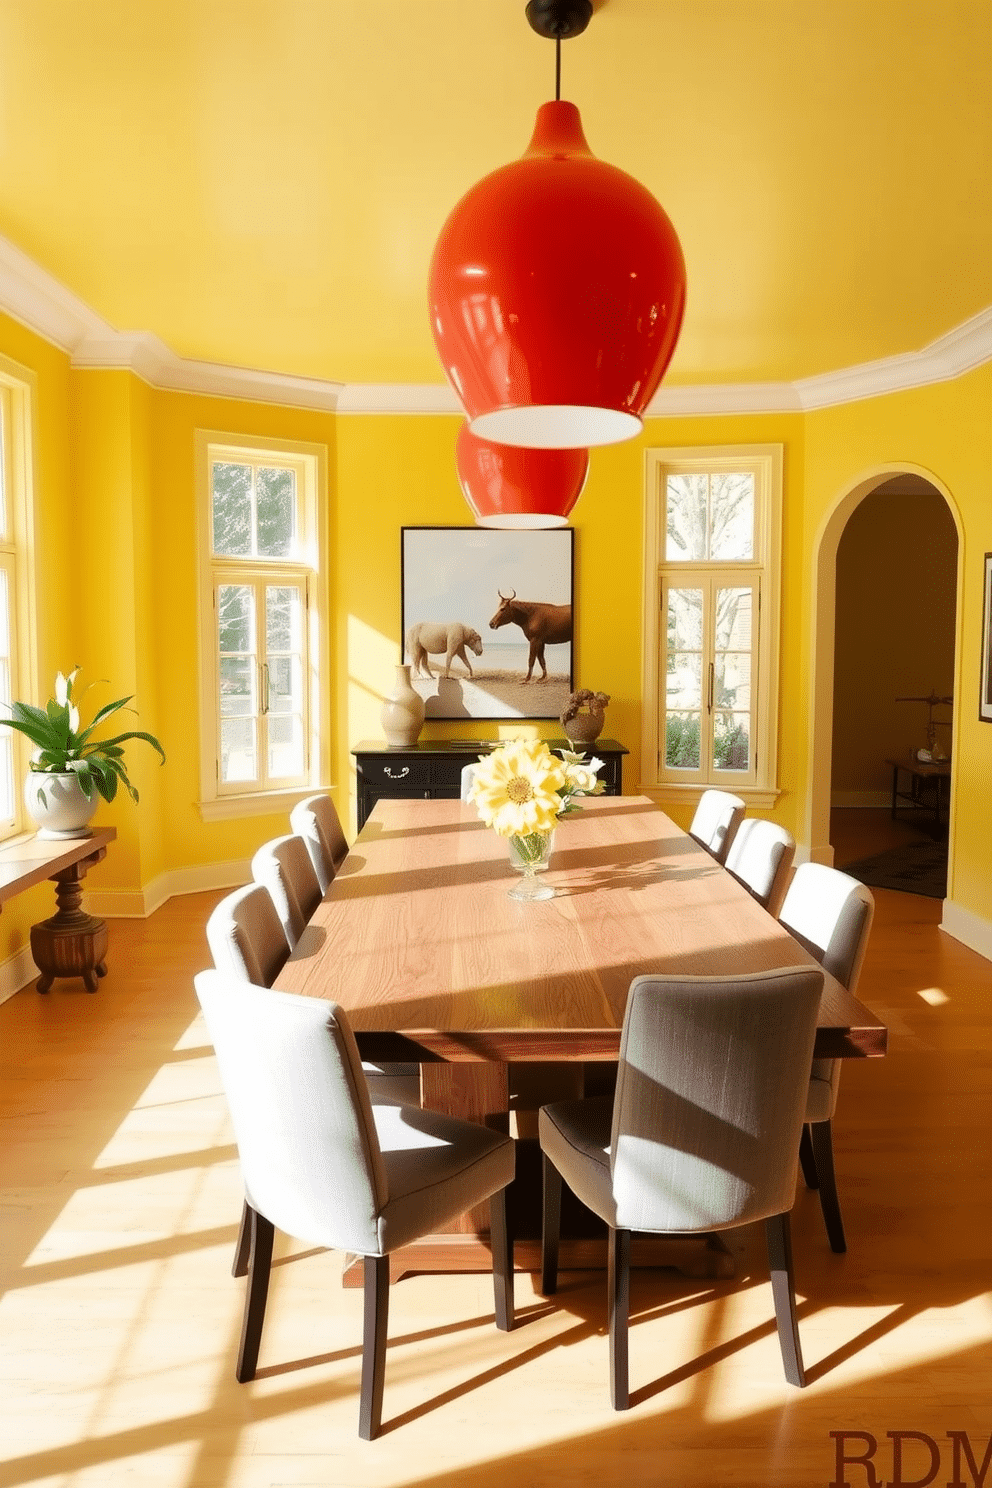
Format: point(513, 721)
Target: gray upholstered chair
point(316, 820)
point(245, 936)
point(701, 1135)
point(717, 818)
point(284, 867)
point(468, 775)
point(760, 857)
point(322, 1164)
point(830, 914)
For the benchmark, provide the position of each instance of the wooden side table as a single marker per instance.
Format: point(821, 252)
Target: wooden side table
point(929, 785)
point(71, 943)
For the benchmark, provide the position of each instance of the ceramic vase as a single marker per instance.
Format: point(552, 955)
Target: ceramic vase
point(58, 804)
point(584, 727)
point(402, 713)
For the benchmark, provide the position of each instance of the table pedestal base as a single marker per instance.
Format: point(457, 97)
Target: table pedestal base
point(71, 943)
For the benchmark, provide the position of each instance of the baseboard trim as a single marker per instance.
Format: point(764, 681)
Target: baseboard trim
point(861, 799)
point(970, 929)
point(16, 972)
point(138, 904)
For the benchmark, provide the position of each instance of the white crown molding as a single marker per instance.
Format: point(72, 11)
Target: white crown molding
point(398, 397)
point(30, 295)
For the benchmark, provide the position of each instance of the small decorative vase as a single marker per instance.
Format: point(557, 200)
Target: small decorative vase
point(584, 727)
point(529, 855)
point(58, 804)
point(402, 713)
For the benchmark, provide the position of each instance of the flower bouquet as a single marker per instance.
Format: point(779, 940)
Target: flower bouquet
point(520, 790)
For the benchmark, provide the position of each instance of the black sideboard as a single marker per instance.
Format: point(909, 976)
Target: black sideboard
point(431, 769)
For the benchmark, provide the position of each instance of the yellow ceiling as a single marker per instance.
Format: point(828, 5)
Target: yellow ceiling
point(260, 182)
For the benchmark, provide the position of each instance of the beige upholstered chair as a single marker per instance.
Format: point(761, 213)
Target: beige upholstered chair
point(316, 820)
point(245, 936)
point(717, 818)
point(829, 913)
point(760, 857)
point(701, 1135)
point(285, 868)
point(322, 1164)
point(468, 775)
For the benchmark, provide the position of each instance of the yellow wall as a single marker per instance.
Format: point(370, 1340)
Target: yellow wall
point(117, 589)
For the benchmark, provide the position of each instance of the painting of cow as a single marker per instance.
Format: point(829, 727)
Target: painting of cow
point(542, 624)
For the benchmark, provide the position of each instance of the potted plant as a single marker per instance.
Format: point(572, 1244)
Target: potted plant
point(70, 769)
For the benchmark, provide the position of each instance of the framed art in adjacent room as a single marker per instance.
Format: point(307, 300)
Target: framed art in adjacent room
point(488, 620)
point(985, 699)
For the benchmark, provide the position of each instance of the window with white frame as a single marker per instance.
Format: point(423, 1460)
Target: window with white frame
point(712, 560)
point(260, 623)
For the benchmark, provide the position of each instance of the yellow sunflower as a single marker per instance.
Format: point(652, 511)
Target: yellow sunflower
point(516, 788)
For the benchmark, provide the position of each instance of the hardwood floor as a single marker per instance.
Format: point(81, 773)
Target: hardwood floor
point(119, 1317)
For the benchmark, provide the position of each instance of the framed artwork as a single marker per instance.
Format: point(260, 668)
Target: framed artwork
point(985, 698)
point(487, 620)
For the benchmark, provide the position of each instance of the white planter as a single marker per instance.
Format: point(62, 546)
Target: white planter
point(64, 811)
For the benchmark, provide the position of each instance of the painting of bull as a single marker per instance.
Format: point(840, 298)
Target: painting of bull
point(542, 624)
point(448, 640)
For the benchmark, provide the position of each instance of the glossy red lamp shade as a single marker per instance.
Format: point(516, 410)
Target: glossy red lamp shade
point(557, 289)
point(509, 486)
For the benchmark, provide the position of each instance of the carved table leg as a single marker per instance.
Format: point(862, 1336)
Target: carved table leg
point(71, 943)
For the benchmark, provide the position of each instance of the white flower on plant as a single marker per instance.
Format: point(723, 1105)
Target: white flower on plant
point(517, 788)
point(74, 719)
point(580, 777)
point(61, 689)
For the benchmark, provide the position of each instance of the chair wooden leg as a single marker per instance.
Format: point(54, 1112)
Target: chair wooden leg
point(243, 1243)
point(778, 1236)
point(550, 1228)
point(501, 1244)
point(823, 1156)
point(806, 1159)
point(618, 1286)
point(259, 1263)
point(374, 1345)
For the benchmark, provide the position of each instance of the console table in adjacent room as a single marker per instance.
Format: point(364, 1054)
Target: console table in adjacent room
point(432, 768)
point(71, 943)
point(929, 787)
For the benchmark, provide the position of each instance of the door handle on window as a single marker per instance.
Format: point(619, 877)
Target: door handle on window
point(709, 698)
point(265, 687)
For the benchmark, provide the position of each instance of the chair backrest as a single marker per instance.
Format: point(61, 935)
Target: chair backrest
point(316, 820)
point(284, 867)
point(830, 913)
point(760, 857)
point(468, 775)
point(711, 1094)
point(310, 1157)
point(246, 938)
point(717, 818)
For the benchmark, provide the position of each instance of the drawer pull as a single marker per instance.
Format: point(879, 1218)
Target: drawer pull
point(398, 774)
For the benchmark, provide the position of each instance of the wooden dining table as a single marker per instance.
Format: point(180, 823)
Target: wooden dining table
point(418, 940)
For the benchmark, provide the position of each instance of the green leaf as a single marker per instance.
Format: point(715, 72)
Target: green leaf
point(137, 734)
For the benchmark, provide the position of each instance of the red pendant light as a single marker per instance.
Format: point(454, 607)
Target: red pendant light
point(507, 486)
point(557, 289)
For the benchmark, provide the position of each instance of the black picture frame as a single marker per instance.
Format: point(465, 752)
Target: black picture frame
point(459, 577)
point(985, 689)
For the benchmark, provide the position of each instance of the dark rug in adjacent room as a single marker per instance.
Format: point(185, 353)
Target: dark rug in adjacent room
point(916, 868)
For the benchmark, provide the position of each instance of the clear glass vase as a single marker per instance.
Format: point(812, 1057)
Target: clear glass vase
point(529, 855)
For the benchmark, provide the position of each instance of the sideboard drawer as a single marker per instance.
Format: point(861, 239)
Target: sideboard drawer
point(402, 773)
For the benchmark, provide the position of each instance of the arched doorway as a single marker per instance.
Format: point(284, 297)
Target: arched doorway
point(896, 534)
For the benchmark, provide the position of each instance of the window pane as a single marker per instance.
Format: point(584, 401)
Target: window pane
point(276, 512)
point(685, 619)
point(232, 508)
point(682, 741)
point(683, 683)
point(238, 750)
point(685, 518)
point(731, 741)
point(732, 517)
point(285, 746)
point(4, 404)
point(236, 618)
point(283, 618)
point(733, 619)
